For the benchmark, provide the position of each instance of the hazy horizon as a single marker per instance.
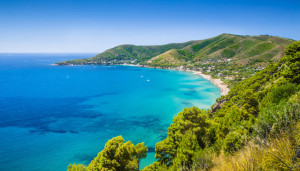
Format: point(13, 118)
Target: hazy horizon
point(35, 26)
point(103, 50)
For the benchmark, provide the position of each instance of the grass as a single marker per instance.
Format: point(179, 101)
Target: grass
point(277, 153)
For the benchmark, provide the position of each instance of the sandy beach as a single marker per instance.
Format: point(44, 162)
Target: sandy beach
point(217, 82)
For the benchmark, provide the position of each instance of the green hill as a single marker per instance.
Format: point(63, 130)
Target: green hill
point(171, 58)
point(254, 51)
point(241, 49)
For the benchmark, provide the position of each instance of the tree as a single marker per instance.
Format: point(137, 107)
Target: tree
point(232, 142)
point(293, 48)
point(192, 119)
point(291, 69)
point(119, 156)
point(186, 150)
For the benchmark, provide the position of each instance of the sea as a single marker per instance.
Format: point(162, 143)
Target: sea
point(51, 116)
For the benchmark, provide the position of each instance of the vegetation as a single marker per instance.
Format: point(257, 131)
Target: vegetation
point(256, 127)
point(279, 152)
point(258, 113)
point(117, 155)
point(77, 167)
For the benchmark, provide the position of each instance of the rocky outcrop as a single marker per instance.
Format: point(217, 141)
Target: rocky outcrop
point(218, 105)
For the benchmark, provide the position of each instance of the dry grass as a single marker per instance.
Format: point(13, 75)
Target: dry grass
point(280, 152)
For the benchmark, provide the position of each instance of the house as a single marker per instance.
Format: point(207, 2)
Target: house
point(133, 61)
point(229, 60)
point(260, 68)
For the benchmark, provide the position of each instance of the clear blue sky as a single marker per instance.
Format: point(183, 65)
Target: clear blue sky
point(96, 25)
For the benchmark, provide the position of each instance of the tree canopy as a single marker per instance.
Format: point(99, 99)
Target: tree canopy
point(117, 155)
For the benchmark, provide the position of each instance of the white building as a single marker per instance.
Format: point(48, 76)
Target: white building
point(181, 68)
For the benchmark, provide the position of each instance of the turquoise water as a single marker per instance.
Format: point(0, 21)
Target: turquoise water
point(51, 116)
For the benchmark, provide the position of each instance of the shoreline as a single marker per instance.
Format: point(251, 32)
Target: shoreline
point(218, 82)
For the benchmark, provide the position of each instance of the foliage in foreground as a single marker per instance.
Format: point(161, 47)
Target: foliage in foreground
point(278, 152)
point(117, 155)
point(77, 167)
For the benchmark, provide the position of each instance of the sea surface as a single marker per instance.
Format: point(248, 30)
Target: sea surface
point(51, 116)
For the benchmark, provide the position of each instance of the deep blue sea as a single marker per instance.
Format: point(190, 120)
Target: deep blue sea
point(51, 116)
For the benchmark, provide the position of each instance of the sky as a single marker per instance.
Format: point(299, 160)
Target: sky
point(92, 26)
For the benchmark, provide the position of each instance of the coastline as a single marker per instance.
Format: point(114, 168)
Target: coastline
point(218, 82)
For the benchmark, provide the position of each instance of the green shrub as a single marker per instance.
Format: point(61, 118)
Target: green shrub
point(281, 93)
point(233, 142)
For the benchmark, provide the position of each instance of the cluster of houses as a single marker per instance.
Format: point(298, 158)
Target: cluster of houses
point(220, 73)
point(222, 60)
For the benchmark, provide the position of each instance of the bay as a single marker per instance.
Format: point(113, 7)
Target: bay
point(51, 116)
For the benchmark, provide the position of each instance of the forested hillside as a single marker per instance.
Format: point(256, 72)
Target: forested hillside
point(254, 127)
point(243, 50)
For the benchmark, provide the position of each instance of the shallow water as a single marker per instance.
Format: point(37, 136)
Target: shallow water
point(51, 116)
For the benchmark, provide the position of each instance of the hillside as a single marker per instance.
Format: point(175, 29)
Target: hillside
point(170, 58)
point(243, 50)
point(228, 57)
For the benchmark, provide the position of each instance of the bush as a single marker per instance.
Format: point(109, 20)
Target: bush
point(281, 93)
point(232, 142)
point(276, 117)
point(203, 160)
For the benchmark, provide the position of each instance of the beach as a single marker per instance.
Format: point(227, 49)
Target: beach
point(217, 82)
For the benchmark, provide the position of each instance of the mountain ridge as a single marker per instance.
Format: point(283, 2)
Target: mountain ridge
point(129, 53)
point(227, 56)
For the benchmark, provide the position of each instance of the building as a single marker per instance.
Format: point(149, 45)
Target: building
point(181, 68)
